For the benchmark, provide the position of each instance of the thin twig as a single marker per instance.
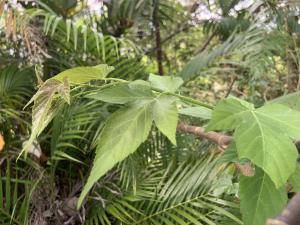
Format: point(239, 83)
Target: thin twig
point(204, 46)
point(233, 79)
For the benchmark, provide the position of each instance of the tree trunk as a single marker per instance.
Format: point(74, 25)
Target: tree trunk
point(159, 55)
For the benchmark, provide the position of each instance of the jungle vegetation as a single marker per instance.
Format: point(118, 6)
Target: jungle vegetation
point(149, 112)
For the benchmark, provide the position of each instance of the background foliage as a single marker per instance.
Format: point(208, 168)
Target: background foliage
point(88, 130)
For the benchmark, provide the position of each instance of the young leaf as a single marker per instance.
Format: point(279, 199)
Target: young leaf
point(226, 115)
point(260, 199)
point(45, 107)
point(121, 94)
point(80, 75)
point(200, 112)
point(64, 90)
point(166, 116)
point(165, 83)
point(122, 134)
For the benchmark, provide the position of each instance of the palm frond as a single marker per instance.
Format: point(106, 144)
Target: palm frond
point(16, 85)
point(16, 189)
point(74, 128)
point(183, 195)
point(250, 50)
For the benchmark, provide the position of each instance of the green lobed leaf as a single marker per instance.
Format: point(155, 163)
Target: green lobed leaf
point(260, 199)
point(165, 83)
point(262, 135)
point(121, 94)
point(199, 112)
point(80, 75)
point(227, 114)
point(122, 134)
point(165, 116)
point(291, 100)
point(283, 116)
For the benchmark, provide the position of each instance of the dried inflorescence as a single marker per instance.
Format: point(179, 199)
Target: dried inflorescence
point(19, 29)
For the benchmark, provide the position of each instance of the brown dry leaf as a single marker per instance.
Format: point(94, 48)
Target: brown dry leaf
point(2, 143)
point(9, 24)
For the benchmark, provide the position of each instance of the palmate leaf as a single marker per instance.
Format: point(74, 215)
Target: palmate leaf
point(227, 112)
point(121, 94)
point(127, 128)
point(291, 100)
point(264, 138)
point(263, 135)
point(260, 199)
point(199, 112)
point(124, 131)
point(166, 116)
point(80, 75)
point(165, 83)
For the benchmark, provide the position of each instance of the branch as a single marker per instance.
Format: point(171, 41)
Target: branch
point(290, 214)
point(220, 139)
point(206, 43)
point(183, 28)
point(233, 80)
point(223, 140)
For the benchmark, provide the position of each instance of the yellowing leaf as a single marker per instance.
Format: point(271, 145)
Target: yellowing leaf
point(45, 108)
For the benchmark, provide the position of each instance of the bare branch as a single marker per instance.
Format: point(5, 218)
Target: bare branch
point(222, 140)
